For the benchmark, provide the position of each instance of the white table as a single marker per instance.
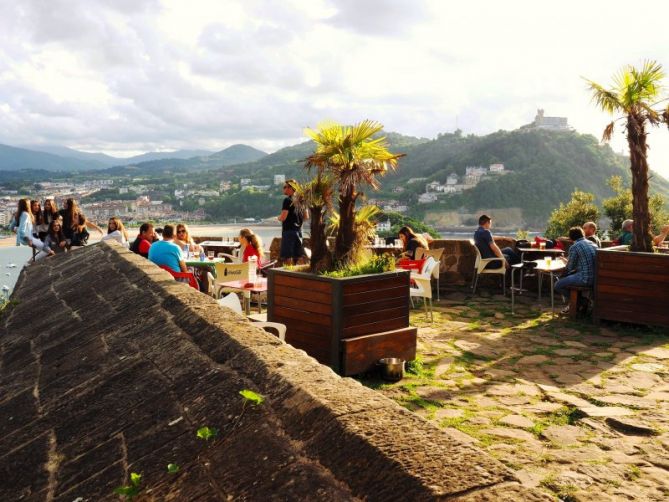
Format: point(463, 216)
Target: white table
point(543, 267)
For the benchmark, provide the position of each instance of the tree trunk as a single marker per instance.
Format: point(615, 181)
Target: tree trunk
point(642, 239)
point(346, 232)
point(320, 256)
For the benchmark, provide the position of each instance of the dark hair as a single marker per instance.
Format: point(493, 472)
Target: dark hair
point(159, 230)
point(59, 236)
point(144, 227)
point(483, 219)
point(410, 234)
point(168, 231)
point(252, 239)
point(576, 233)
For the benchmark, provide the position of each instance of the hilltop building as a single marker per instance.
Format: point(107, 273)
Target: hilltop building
point(549, 123)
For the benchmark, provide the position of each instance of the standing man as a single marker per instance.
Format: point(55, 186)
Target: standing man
point(580, 269)
point(590, 231)
point(487, 247)
point(144, 240)
point(167, 253)
point(291, 226)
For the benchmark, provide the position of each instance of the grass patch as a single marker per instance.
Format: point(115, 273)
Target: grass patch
point(419, 368)
point(567, 415)
point(633, 472)
point(564, 491)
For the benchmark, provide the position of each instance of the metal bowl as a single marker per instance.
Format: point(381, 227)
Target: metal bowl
point(392, 369)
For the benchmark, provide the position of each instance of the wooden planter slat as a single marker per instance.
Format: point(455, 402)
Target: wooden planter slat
point(321, 312)
point(632, 287)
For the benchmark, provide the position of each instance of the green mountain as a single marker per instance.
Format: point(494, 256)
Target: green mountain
point(237, 154)
point(17, 159)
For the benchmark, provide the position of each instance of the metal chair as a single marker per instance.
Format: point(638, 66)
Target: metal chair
point(480, 268)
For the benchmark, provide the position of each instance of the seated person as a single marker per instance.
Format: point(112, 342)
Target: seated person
point(627, 234)
point(486, 245)
point(251, 245)
point(411, 241)
point(183, 239)
point(590, 232)
point(116, 231)
point(580, 270)
point(167, 253)
point(80, 233)
point(144, 240)
point(54, 242)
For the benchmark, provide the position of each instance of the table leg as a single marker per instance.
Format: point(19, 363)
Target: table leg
point(513, 289)
point(540, 277)
point(552, 303)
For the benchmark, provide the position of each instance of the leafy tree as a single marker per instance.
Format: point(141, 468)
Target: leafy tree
point(634, 94)
point(578, 210)
point(352, 158)
point(398, 220)
point(619, 207)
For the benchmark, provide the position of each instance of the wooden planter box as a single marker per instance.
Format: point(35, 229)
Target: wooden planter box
point(347, 324)
point(632, 287)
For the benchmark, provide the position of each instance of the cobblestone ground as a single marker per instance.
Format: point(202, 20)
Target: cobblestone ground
point(578, 410)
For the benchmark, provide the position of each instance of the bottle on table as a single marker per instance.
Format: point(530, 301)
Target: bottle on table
point(253, 266)
point(186, 252)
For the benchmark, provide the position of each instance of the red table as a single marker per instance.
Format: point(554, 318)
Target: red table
point(259, 286)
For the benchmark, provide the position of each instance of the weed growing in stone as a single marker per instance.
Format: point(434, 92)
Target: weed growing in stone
point(207, 433)
point(173, 468)
point(252, 397)
point(131, 490)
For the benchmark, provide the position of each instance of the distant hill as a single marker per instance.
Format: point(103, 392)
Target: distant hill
point(17, 159)
point(545, 167)
point(150, 156)
point(237, 154)
point(95, 160)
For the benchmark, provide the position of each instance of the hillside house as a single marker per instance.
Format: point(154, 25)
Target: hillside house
point(452, 179)
point(496, 168)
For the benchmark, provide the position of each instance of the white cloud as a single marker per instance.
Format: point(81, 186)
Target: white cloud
point(136, 75)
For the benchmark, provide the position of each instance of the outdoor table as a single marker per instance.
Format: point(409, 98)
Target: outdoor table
point(544, 268)
point(553, 252)
point(227, 247)
point(209, 265)
point(385, 249)
point(259, 286)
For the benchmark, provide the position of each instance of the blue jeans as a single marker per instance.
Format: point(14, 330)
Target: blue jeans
point(575, 279)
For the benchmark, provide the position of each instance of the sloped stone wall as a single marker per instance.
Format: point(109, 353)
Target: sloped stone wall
point(108, 366)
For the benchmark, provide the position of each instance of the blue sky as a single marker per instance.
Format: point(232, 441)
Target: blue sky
point(128, 76)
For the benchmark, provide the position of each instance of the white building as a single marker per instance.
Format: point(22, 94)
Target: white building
point(475, 171)
point(496, 168)
point(279, 179)
point(432, 187)
point(452, 179)
point(383, 226)
point(426, 198)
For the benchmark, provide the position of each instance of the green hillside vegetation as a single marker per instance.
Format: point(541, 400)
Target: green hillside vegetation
point(545, 168)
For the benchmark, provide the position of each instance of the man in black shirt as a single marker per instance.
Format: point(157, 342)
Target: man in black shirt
point(291, 226)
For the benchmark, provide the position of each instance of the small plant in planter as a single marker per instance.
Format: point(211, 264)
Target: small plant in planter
point(345, 158)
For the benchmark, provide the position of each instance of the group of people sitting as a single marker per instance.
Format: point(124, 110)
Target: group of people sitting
point(50, 231)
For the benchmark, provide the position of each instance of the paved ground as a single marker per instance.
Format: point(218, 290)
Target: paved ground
point(578, 410)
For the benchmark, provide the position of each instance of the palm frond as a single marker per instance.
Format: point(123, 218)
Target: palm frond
point(606, 99)
point(608, 132)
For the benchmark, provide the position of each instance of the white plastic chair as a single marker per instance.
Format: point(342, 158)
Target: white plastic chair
point(480, 268)
point(232, 302)
point(422, 284)
point(436, 254)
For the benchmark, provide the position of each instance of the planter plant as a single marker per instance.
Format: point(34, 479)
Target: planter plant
point(349, 309)
point(631, 286)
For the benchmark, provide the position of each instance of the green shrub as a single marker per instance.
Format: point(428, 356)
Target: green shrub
point(375, 264)
point(578, 210)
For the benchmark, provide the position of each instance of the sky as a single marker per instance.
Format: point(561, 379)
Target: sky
point(129, 76)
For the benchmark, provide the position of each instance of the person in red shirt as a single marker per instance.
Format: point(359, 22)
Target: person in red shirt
point(143, 241)
point(251, 245)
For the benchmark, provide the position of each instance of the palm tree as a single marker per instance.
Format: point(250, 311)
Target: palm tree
point(352, 158)
point(634, 94)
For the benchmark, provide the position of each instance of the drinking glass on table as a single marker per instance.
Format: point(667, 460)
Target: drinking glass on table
point(210, 255)
point(549, 260)
point(542, 245)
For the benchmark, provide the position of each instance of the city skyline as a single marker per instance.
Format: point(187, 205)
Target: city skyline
point(155, 75)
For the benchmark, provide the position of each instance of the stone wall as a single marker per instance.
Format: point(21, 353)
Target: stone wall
point(108, 366)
